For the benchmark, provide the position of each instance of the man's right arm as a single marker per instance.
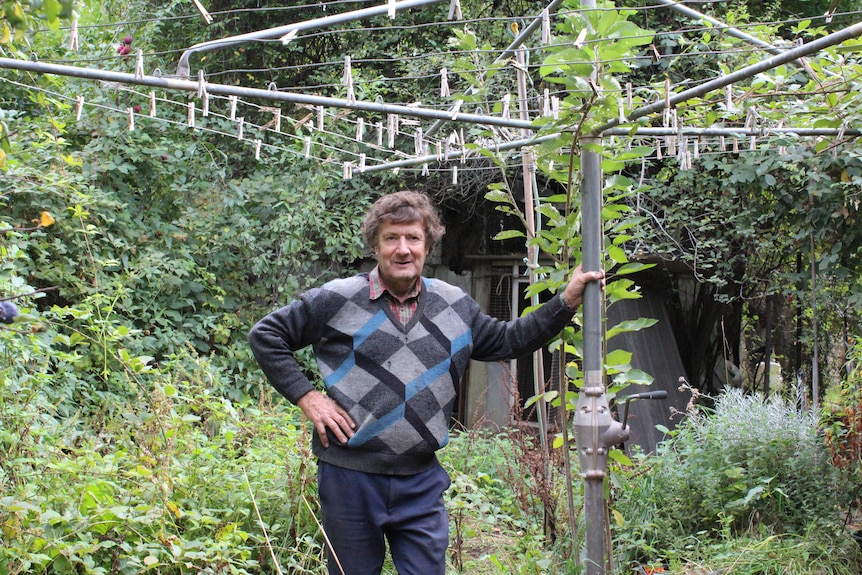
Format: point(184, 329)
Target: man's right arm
point(273, 340)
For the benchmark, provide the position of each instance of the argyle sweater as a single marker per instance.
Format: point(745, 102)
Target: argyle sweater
point(397, 382)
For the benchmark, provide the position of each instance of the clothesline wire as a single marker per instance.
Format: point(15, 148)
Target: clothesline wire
point(316, 144)
point(652, 91)
point(426, 77)
point(361, 81)
point(488, 104)
point(250, 128)
point(732, 144)
point(146, 118)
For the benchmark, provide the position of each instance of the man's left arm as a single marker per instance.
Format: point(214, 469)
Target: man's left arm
point(495, 340)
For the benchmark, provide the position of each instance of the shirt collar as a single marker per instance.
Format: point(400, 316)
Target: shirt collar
point(377, 288)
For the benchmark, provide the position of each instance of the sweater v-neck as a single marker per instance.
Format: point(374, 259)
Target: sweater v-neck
point(386, 306)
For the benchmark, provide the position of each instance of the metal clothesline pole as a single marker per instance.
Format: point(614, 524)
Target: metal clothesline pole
point(787, 57)
point(273, 95)
point(627, 132)
point(723, 26)
point(183, 67)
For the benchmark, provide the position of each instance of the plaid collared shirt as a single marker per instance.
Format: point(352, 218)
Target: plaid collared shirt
point(403, 311)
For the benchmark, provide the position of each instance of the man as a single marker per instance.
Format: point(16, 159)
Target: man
point(392, 348)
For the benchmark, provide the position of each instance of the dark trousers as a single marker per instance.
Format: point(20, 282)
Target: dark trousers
point(361, 511)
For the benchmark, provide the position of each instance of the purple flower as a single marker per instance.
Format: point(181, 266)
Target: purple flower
point(8, 312)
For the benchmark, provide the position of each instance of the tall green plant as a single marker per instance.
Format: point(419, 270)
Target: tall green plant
point(588, 51)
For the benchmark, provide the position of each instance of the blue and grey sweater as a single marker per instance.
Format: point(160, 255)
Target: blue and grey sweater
point(397, 382)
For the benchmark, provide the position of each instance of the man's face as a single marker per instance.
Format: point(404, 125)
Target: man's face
point(401, 251)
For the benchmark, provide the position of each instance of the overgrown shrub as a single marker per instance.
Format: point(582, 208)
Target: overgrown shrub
point(752, 466)
point(180, 481)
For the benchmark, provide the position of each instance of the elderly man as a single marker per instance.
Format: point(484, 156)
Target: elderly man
point(392, 347)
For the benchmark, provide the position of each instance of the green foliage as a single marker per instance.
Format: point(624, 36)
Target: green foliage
point(502, 496)
point(752, 468)
point(842, 424)
point(813, 553)
point(752, 212)
point(593, 92)
point(181, 484)
point(20, 18)
point(147, 251)
point(591, 51)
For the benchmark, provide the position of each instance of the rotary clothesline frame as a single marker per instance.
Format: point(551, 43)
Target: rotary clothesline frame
point(454, 148)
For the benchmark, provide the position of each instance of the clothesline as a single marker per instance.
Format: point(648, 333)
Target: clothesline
point(374, 136)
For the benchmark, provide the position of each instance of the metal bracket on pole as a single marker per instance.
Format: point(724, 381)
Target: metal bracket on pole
point(596, 432)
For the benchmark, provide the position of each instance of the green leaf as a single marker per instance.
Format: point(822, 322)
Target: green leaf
point(636, 377)
point(497, 196)
point(618, 357)
point(509, 234)
point(632, 267)
point(631, 325)
point(617, 254)
point(52, 10)
point(620, 457)
point(621, 290)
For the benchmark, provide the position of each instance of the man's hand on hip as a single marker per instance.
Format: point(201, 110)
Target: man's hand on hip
point(325, 414)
